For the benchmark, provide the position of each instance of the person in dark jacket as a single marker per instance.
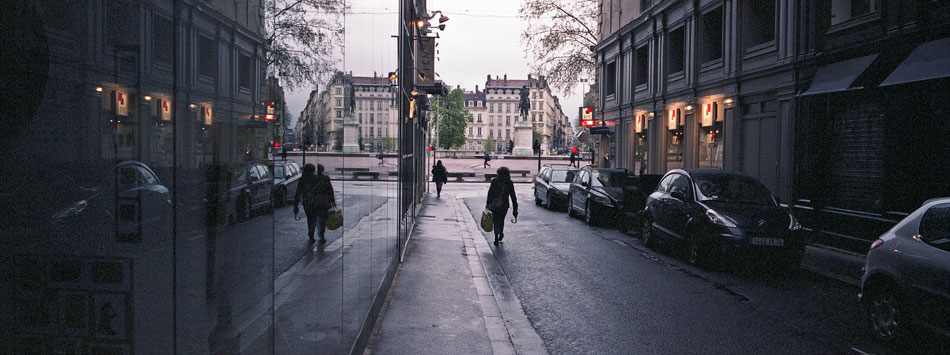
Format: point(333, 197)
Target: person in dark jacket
point(440, 176)
point(573, 159)
point(487, 159)
point(497, 202)
point(316, 193)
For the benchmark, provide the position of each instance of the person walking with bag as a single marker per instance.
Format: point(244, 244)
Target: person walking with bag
point(487, 159)
point(497, 202)
point(440, 176)
point(316, 193)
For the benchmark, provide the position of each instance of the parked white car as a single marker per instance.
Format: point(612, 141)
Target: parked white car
point(907, 276)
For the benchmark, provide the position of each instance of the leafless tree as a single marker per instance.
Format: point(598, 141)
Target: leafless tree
point(303, 36)
point(557, 36)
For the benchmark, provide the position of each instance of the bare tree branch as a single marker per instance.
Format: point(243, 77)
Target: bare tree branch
point(557, 38)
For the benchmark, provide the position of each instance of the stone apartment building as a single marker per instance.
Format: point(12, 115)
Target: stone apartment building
point(374, 110)
point(699, 84)
point(495, 111)
point(838, 106)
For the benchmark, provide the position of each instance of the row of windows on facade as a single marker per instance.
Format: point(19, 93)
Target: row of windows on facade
point(162, 45)
point(491, 133)
point(379, 132)
point(491, 119)
point(383, 119)
point(359, 104)
point(758, 29)
point(339, 90)
point(535, 105)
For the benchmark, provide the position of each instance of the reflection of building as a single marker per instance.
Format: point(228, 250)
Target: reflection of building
point(497, 109)
point(673, 77)
point(308, 125)
point(374, 110)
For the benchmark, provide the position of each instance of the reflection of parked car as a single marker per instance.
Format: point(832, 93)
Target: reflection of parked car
point(129, 199)
point(238, 190)
point(596, 193)
point(552, 184)
point(906, 277)
point(715, 213)
point(636, 188)
point(286, 176)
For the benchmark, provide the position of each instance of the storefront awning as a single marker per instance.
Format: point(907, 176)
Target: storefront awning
point(838, 76)
point(929, 61)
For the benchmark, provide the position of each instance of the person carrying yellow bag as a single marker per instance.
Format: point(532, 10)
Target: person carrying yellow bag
point(316, 193)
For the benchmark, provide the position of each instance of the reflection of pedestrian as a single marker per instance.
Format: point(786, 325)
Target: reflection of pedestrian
point(497, 202)
point(316, 192)
point(381, 160)
point(487, 158)
point(573, 159)
point(440, 176)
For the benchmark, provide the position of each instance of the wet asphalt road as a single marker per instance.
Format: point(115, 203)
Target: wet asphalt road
point(594, 290)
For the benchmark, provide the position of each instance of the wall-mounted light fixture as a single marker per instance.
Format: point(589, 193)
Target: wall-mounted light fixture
point(147, 98)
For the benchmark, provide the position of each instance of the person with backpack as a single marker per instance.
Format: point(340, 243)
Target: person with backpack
point(501, 189)
point(316, 193)
point(439, 176)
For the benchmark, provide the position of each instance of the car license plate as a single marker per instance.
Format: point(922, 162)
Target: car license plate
point(776, 242)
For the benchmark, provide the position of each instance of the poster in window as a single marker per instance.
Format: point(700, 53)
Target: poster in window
point(121, 103)
point(166, 110)
point(709, 114)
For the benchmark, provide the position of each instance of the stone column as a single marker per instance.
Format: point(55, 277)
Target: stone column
point(523, 139)
point(350, 136)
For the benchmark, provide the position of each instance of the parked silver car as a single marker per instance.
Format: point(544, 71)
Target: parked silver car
point(907, 276)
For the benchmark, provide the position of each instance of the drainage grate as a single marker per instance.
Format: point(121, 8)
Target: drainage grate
point(450, 219)
point(426, 216)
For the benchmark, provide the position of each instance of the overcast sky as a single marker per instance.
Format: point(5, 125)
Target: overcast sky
point(481, 37)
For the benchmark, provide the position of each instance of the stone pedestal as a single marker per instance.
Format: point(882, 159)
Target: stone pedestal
point(351, 139)
point(523, 138)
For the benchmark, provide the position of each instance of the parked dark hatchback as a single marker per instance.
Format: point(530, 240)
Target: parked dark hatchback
point(552, 184)
point(286, 176)
point(596, 193)
point(236, 191)
point(719, 214)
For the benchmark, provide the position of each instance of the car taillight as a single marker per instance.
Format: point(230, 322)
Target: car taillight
point(877, 243)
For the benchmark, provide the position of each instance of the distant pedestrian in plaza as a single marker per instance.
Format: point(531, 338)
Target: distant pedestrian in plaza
point(487, 159)
point(573, 159)
point(497, 202)
point(316, 193)
point(440, 176)
point(381, 158)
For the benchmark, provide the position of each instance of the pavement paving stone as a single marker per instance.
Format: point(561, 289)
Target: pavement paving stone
point(442, 300)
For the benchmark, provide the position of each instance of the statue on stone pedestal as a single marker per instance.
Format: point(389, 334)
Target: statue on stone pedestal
point(525, 104)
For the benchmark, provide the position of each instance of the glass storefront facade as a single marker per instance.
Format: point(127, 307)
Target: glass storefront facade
point(147, 210)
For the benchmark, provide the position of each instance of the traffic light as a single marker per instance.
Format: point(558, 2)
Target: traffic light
point(431, 148)
point(276, 144)
point(574, 149)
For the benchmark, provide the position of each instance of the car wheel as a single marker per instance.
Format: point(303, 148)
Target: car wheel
point(646, 234)
point(548, 203)
point(884, 314)
point(537, 201)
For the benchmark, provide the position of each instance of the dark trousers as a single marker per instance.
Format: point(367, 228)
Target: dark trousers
point(438, 187)
point(498, 222)
point(316, 218)
point(485, 165)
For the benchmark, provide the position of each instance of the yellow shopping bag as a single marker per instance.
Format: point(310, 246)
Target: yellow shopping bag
point(487, 223)
point(334, 218)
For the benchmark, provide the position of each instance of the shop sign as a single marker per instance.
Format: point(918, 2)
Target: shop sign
point(674, 119)
point(709, 114)
point(206, 112)
point(121, 103)
point(166, 110)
